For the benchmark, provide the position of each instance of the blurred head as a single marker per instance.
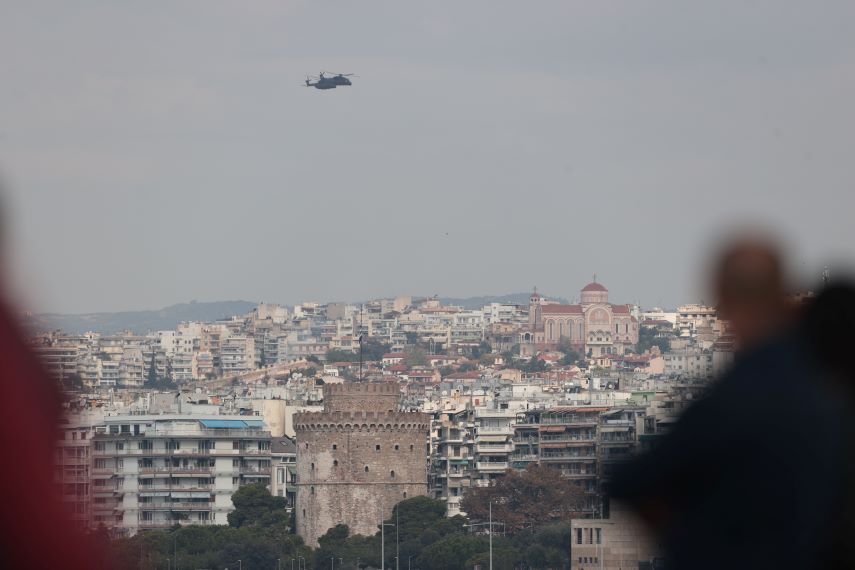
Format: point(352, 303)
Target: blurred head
point(751, 290)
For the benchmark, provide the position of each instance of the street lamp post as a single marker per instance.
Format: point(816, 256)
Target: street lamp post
point(491, 534)
point(383, 544)
point(397, 551)
point(298, 562)
point(489, 525)
point(409, 561)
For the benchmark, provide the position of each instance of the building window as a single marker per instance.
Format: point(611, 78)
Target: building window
point(405, 494)
point(335, 462)
point(578, 536)
point(397, 447)
point(377, 447)
point(411, 447)
point(366, 469)
point(312, 467)
point(599, 535)
point(312, 490)
point(334, 446)
point(392, 474)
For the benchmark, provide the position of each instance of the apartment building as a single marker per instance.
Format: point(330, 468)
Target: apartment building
point(493, 435)
point(155, 471)
point(72, 465)
point(237, 355)
point(563, 438)
point(452, 458)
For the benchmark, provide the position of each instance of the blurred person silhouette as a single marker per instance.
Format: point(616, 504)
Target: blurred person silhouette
point(830, 330)
point(751, 475)
point(36, 529)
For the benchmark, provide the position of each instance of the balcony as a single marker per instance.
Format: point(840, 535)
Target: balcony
point(176, 470)
point(486, 448)
point(508, 430)
point(568, 457)
point(493, 466)
point(177, 506)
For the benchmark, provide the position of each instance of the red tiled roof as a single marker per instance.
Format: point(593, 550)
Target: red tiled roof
point(561, 309)
point(394, 355)
point(594, 287)
point(620, 309)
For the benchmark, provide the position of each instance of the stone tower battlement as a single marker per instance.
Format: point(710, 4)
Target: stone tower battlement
point(365, 421)
point(357, 458)
point(361, 396)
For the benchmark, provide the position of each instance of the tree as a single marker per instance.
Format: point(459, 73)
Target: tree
point(372, 350)
point(534, 364)
point(415, 356)
point(483, 348)
point(571, 355)
point(649, 337)
point(255, 505)
point(523, 499)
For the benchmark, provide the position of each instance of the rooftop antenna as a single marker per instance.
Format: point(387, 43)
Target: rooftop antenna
point(359, 338)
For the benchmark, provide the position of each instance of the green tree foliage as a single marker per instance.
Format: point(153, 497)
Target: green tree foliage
point(482, 349)
point(534, 364)
point(571, 355)
point(207, 547)
point(415, 356)
point(255, 505)
point(648, 337)
point(425, 536)
point(372, 350)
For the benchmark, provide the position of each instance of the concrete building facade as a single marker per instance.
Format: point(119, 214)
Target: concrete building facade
point(357, 459)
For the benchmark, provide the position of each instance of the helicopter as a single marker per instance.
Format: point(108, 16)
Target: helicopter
point(324, 82)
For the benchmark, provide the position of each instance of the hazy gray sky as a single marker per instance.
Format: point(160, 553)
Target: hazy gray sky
point(157, 152)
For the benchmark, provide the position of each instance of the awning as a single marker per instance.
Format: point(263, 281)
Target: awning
point(224, 424)
point(494, 438)
point(190, 495)
point(552, 428)
point(153, 494)
point(553, 445)
point(256, 424)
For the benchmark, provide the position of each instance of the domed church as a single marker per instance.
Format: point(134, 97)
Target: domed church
point(593, 326)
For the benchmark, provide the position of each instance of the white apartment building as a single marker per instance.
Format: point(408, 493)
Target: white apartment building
point(155, 471)
point(689, 363)
point(237, 355)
